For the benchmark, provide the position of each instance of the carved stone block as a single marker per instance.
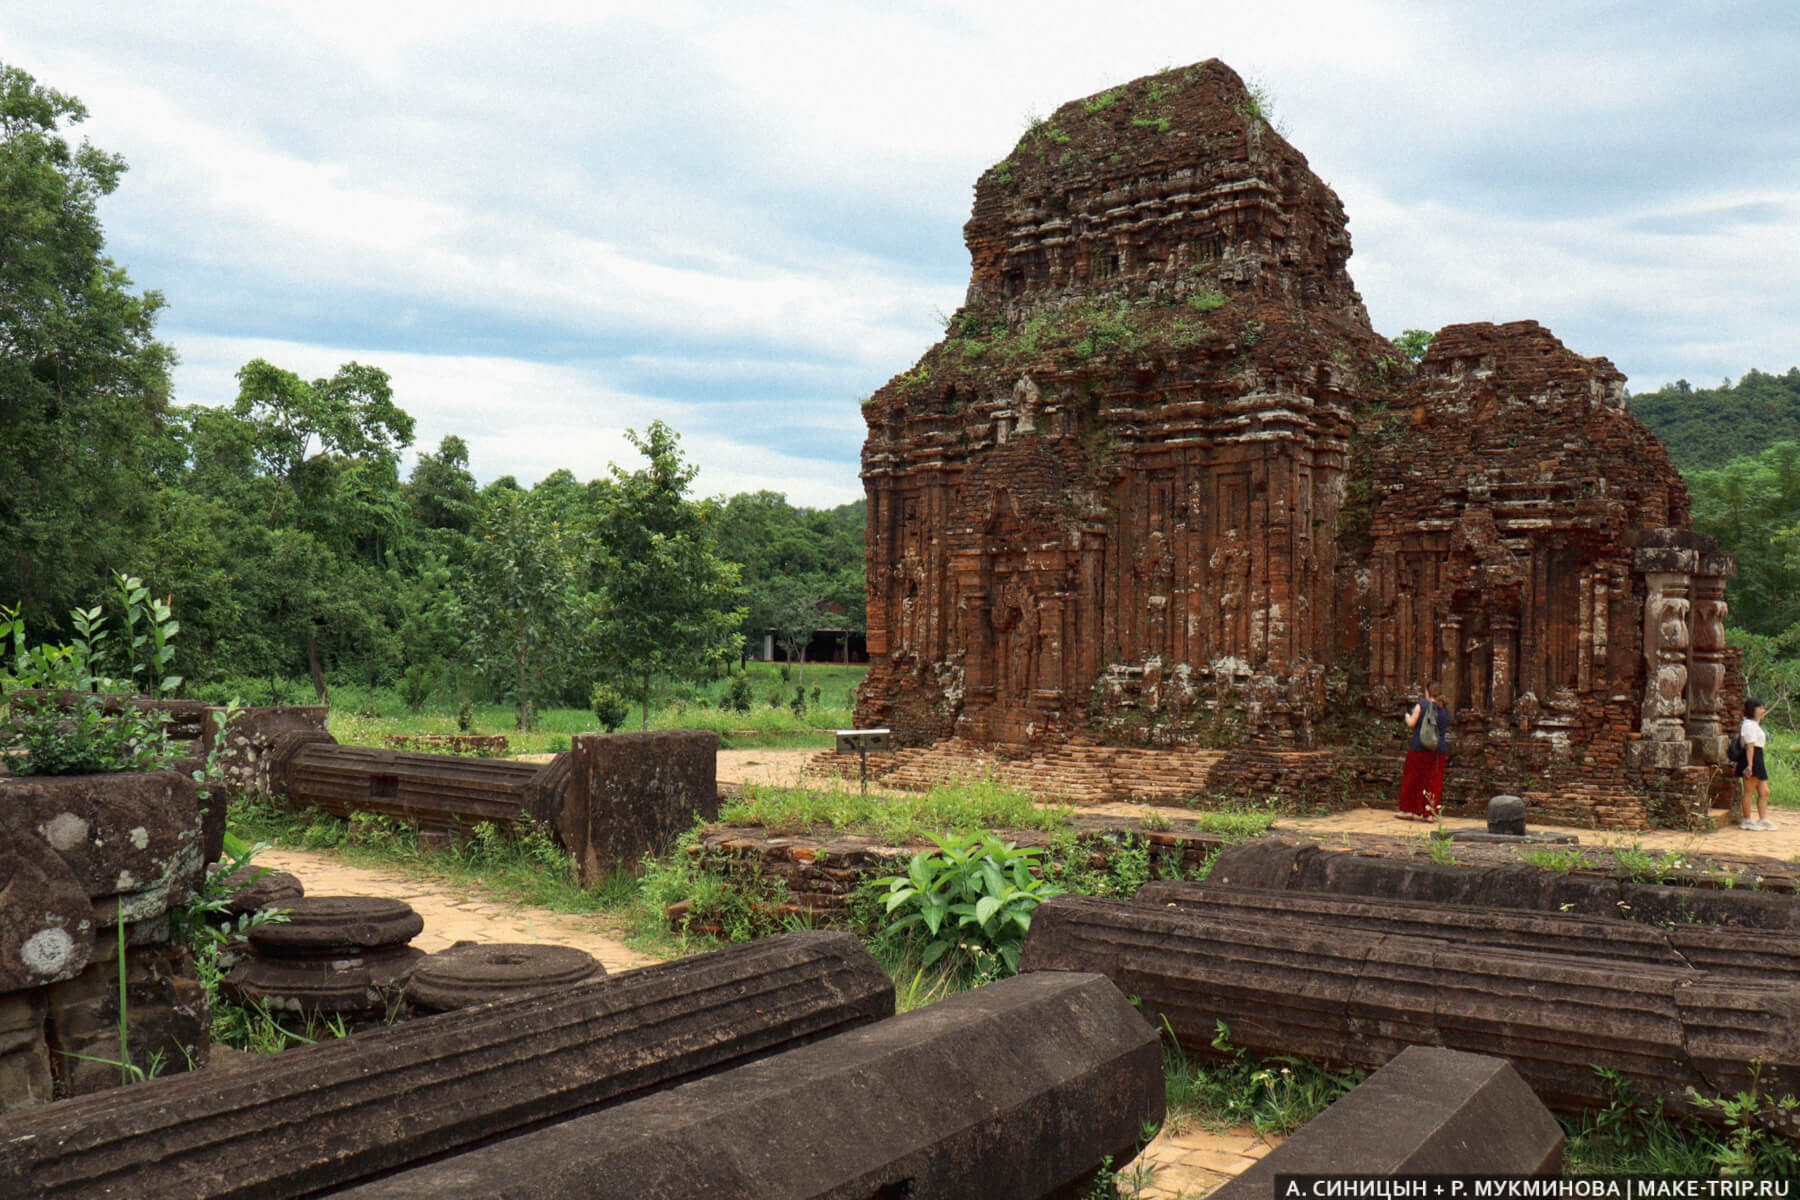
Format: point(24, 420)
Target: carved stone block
point(1020, 1089)
point(1350, 996)
point(310, 1120)
point(631, 794)
point(1429, 1111)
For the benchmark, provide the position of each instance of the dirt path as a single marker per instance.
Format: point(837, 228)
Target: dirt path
point(452, 917)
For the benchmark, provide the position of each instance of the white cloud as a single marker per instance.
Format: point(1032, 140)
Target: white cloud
point(528, 419)
point(658, 211)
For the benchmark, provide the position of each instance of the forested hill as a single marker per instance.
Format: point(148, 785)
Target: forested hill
point(1705, 428)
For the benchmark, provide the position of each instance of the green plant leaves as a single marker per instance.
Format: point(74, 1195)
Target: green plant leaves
point(973, 897)
point(85, 740)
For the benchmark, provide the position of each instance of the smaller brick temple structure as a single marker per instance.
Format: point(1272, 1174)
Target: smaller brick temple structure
point(1162, 486)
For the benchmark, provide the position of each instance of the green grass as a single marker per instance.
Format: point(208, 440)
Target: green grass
point(1783, 759)
point(966, 806)
point(367, 717)
point(1275, 1095)
point(1630, 1136)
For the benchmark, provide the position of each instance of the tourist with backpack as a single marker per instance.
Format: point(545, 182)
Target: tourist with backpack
point(1422, 784)
point(1753, 769)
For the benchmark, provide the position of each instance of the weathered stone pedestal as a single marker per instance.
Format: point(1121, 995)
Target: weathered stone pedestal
point(334, 954)
point(629, 794)
point(468, 974)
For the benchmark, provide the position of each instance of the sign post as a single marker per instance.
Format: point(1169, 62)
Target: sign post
point(860, 742)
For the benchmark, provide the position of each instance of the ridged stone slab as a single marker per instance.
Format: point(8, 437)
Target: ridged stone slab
point(1015, 1090)
point(327, 1116)
point(1766, 957)
point(468, 974)
point(1428, 1112)
point(1355, 997)
point(1291, 866)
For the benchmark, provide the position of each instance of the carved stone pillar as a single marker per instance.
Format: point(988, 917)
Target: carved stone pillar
point(1504, 634)
point(1450, 659)
point(1668, 572)
point(1706, 658)
point(1666, 641)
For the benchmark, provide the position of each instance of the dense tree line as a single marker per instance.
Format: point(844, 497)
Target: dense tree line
point(1705, 428)
point(280, 530)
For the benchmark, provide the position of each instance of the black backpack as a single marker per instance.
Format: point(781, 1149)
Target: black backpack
point(1734, 752)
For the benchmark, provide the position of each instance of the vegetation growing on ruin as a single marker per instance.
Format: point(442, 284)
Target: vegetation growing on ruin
point(967, 902)
point(1068, 337)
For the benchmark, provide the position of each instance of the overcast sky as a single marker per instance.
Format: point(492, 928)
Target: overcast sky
point(551, 222)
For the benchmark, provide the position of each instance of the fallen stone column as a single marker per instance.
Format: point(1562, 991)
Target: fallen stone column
point(1428, 1112)
point(1353, 997)
point(1769, 957)
point(1290, 866)
point(1018, 1089)
point(340, 1112)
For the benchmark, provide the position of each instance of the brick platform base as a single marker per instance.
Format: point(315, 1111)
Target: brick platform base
point(1582, 794)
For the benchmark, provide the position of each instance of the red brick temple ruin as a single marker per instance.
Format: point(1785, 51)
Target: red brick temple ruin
point(1162, 506)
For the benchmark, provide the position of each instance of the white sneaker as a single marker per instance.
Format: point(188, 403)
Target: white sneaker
point(1768, 825)
point(1759, 826)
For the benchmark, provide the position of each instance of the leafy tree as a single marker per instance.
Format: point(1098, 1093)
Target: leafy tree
point(793, 557)
point(434, 623)
point(1413, 343)
point(798, 611)
point(351, 415)
point(525, 598)
point(1706, 428)
point(1752, 505)
point(441, 492)
point(279, 522)
point(670, 602)
point(83, 383)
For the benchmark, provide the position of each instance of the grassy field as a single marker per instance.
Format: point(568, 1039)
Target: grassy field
point(1783, 757)
point(827, 692)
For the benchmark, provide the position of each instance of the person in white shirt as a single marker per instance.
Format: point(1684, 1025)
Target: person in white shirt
point(1755, 768)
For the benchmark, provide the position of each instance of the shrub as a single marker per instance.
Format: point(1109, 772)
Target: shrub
point(85, 740)
point(972, 898)
point(611, 706)
point(415, 685)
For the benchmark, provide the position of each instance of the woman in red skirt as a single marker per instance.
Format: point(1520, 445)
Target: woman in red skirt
point(1422, 786)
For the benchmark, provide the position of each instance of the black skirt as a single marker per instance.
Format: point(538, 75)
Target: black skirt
point(1758, 768)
